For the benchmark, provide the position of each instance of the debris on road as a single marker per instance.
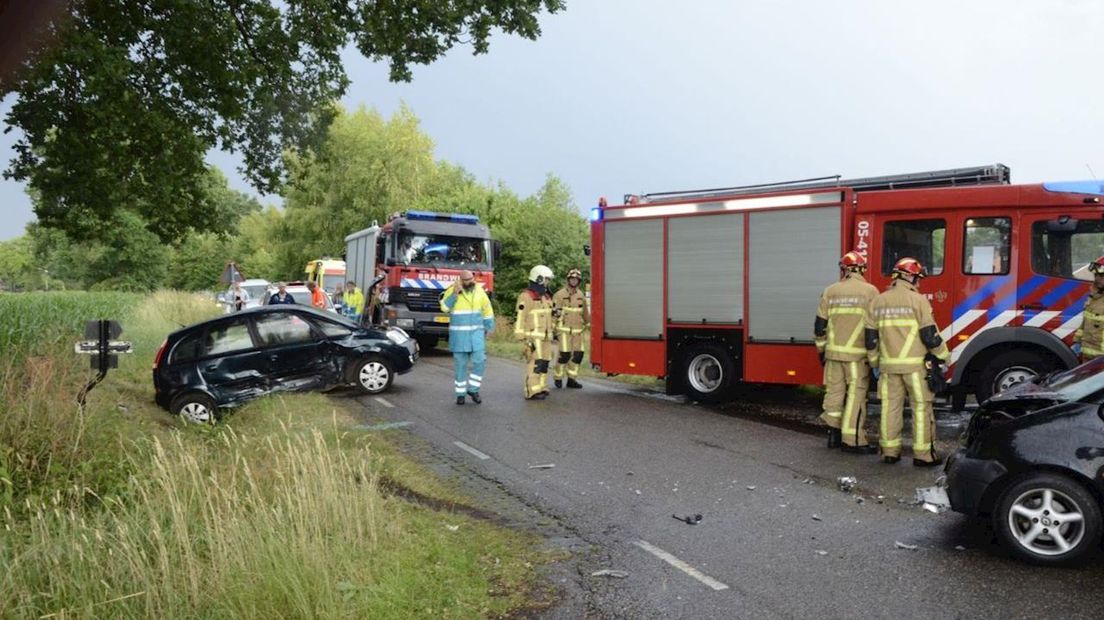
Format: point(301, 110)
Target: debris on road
point(751, 487)
point(543, 466)
point(689, 520)
point(637, 491)
point(859, 499)
point(846, 483)
point(932, 508)
point(606, 572)
point(901, 545)
point(959, 548)
point(821, 552)
point(452, 528)
point(817, 518)
point(936, 496)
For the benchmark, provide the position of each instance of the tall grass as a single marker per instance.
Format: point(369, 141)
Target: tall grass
point(127, 512)
point(38, 323)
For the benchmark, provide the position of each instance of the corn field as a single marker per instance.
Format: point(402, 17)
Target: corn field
point(38, 323)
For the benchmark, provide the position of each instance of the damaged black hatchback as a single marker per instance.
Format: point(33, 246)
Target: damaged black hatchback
point(226, 361)
point(1033, 462)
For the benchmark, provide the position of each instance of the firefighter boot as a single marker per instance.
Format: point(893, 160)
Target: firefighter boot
point(835, 438)
point(864, 449)
point(572, 383)
point(559, 383)
point(933, 463)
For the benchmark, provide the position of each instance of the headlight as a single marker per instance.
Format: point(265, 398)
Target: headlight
point(404, 322)
point(397, 336)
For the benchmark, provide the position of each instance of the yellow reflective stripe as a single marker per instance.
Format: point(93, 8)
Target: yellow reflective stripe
point(842, 349)
point(895, 443)
point(1090, 350)
point(919, 413)
point(1094, 316)
point(572, 309)
point(898, 323)
point(849, 403)
point(902, 361)
point(846, 310)
point(883, 395)
point(833, 414)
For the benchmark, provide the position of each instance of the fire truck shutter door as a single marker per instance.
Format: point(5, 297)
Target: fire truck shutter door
point(792, 256)
point(634, 279)
point(705, 269)
point(360, 257)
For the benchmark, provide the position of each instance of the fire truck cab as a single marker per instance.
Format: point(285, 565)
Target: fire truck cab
point(419, 254)
point(710, 288)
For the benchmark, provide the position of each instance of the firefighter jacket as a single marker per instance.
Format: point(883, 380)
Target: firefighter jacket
point(534, 316)
point(353, 302)
point(841, 319)
point(1091, 333)
point(572, 308)
point(470, 318)
point(900, 330)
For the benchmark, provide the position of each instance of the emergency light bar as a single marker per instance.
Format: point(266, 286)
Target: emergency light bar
point(460, 218)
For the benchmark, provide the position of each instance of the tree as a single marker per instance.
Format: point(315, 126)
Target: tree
point(119, 100)
point(17, 264)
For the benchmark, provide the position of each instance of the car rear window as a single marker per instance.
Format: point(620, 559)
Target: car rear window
point(188, 349)
point(215, 340)
point(283, 329)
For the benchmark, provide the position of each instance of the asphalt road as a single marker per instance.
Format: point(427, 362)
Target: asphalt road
point(777, 537)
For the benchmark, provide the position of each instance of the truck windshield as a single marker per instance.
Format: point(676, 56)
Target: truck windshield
point(442, 250)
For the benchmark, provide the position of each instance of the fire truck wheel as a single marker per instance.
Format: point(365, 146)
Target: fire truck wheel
point(1010, 368)
point(708, 372)
point(427, 343)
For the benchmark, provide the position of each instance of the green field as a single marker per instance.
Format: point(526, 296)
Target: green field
point(284, 509)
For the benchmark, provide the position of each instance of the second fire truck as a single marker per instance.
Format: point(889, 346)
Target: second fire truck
point(710, 288)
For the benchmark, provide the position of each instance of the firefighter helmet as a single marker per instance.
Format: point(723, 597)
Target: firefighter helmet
point(853, 261)
point(1097, 266)
point(575, 273)
point(540, 274)
point(909, 267)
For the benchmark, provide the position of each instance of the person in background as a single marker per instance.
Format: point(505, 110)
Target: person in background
point(572, 319)
point(471, 320)
point(352, 302)
point(318, 297)
point(281, 296)
point(1091, 333)
point(239, 297)
point(534, 328)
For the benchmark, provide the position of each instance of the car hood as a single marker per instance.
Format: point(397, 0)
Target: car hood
point(1027, 397)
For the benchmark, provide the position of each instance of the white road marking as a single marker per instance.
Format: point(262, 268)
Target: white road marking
point(384, 426)
point(679, 564)
point(470, 450)
point(383, 401)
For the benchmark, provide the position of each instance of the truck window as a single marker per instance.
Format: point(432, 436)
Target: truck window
point(919, 239)
point(1059, 254)
point(987, 246)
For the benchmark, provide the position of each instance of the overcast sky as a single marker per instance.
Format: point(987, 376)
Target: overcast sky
point(627, 96)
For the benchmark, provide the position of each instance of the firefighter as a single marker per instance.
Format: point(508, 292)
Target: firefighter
point(572, 319)
point(1091, 333)
point(471, 319)
point(534, 328)
point(838, 331)
point(900, 335)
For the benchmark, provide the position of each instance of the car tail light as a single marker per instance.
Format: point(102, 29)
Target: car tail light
point(160, 353)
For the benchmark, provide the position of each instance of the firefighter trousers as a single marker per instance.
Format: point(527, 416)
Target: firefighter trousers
point(538, 355)
point(845, 385)
point(469, 383)
point(571, 354)
point(892, 390)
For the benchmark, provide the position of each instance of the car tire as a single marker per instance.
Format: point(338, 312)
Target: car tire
point(708, 372)
point(1010, 368)
point(195, 407)
point(1028, 510)
point(374, 375)
point(427, 343)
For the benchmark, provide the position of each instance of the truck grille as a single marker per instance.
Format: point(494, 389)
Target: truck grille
point(422, 300)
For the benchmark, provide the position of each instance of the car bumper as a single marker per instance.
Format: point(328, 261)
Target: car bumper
point(416, 322)
point(968, 480)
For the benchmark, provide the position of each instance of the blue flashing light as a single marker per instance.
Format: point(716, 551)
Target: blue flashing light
point(460, 218)
point(595, 214)
point(1076, 187)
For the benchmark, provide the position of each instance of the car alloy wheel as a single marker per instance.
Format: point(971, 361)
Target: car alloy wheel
point(1046, 521)
point(374, 376)
point(195, 407)
point(196, 412)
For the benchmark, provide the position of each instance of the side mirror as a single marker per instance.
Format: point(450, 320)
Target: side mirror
point(586, 249)
point(497, 249)
point(1063, 224)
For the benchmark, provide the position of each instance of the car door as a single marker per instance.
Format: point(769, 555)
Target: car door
point(229, 362)
point(298, 355)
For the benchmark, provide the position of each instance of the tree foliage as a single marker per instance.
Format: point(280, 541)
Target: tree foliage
point(120, 100)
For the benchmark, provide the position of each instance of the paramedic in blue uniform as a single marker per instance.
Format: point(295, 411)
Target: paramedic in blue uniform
point(471, 320)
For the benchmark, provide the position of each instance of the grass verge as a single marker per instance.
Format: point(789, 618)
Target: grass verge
point(283, 510)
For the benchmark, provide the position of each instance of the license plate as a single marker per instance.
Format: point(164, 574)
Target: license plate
point(440, 319)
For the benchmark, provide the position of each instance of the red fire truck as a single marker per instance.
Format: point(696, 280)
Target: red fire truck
point(419, 254)
point(710, 288)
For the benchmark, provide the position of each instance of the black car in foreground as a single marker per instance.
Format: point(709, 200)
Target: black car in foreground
point(1033, 462)
point(226, 361)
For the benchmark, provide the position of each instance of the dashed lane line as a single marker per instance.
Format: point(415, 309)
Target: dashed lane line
point(679, 564)
point(470, 450)
point(384, 426)
point(383, 401)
